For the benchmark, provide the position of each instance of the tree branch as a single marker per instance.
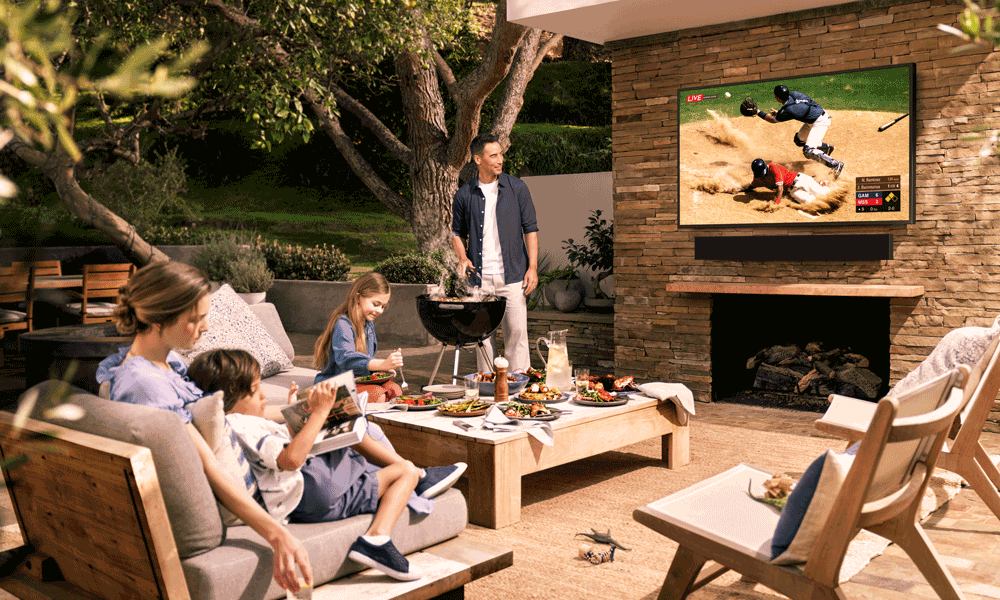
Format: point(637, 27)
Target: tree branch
point(477, 85)
point(446, 74)
point(374, 124)
point(329, 123)
point(528, 57)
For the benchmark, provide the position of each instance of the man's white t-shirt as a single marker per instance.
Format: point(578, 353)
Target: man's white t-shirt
point(492, 258)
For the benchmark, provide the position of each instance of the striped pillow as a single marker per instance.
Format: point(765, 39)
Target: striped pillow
point(210, 421)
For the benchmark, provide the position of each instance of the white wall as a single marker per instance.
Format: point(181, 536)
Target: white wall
point(563, 204)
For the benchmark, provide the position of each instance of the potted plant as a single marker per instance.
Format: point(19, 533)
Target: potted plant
point(562, 287)
point(597, 254)
point(226, 259)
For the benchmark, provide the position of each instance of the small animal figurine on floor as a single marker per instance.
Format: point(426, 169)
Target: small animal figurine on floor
point(588, 552)
point(603, 538)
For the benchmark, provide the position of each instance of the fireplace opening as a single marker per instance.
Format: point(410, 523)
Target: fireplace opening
point(744, 325)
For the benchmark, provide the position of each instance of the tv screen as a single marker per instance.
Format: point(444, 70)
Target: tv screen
point(839, 147)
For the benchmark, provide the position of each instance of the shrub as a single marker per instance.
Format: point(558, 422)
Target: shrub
point(162, 235)
point(227, 258)
point(316, 263)
point(145, 193)
point(536, 151)
point(414, 267)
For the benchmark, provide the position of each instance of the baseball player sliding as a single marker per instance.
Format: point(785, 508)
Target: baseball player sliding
point(815, 122)
point(801, 187)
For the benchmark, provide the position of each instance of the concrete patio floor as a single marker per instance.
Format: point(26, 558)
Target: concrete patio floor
point(964, 531)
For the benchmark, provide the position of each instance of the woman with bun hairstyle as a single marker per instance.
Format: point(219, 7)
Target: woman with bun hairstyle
point(165, 304)
point(348, 343)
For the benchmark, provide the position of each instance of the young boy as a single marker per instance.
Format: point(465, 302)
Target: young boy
point(330, 486)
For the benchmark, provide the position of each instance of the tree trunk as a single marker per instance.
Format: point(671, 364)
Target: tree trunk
point(434, 181)
point(60, 168)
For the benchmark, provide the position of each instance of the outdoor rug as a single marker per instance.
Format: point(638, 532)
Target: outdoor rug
point(601, 492)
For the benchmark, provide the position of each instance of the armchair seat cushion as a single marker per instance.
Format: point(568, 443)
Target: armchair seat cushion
point(12, 316)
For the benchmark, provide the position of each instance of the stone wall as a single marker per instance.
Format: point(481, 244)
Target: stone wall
point(590, 341)
point(950, 249)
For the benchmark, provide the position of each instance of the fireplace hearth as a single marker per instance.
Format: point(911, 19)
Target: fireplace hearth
point(808, 346)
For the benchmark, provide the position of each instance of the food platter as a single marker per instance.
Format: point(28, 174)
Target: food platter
point(429, 404)
point(532, 398)
point(478, 412)
point(618, 401)
point(554, 413)
point(375, 378)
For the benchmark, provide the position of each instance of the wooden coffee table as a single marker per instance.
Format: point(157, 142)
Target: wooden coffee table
point(497, 460)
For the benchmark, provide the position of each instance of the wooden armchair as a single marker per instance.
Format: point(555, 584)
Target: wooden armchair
point(717, 521)
point(99, 282)
point(849, 418)
point(17, 286)
point(43, 268)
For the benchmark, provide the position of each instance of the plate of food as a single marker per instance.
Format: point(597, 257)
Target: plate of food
point(535, 375)
point(610, 383)
point(541, 393)
point(374, 378)
point(599, 398)
point(425, 402)
point(466, 408)
point(530, 412)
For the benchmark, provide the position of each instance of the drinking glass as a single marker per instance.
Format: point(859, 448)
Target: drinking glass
point(471, 388)
point(582, 375)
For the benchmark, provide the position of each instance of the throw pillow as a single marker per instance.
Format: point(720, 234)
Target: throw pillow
point(808, 507)
point(962, 346)
point(210, 420)
point(232, 325)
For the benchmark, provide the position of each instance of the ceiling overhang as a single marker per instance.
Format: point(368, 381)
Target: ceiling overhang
point(601, 21)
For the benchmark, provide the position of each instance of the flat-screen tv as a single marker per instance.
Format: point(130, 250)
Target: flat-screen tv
point(869, 130)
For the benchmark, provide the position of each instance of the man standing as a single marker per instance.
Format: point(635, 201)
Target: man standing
point(815, 122)
point(495, 212)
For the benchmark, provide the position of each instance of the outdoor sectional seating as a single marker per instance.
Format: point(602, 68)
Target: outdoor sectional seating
point(117, 505)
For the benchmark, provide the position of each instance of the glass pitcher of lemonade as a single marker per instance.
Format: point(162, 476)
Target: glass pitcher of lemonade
point(557, 368)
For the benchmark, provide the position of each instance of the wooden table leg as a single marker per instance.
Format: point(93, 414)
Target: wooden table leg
point(676, 447)
point(494, 484)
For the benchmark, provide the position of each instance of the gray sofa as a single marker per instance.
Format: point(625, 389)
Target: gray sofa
point(235, 563)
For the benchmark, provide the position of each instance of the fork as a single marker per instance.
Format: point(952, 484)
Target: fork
point(403, 385)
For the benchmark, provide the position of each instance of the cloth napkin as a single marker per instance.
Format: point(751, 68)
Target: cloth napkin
point(497, 421)
point(678, 393)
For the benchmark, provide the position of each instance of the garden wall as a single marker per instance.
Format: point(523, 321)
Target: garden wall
point(951, 249)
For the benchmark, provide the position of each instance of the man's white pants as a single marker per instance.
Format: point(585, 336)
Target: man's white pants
point(514, 325)
point(812, 133)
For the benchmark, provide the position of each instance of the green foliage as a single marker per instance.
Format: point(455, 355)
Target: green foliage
point(418, 267)
point(233, 259)
point(569, 92)
point(45, 70)
point(546, 151)
point(598, 253)
point(165, 235)
point(147, 193)
point(317, 263)
point(976, 24)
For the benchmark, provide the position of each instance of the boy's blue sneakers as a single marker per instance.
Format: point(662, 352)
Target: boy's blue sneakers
point(385, 558)
point(437, 480)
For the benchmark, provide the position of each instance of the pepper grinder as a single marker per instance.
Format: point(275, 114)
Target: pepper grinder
point(500, 380)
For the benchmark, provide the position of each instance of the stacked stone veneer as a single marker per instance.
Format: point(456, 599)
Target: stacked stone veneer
point(951, 249)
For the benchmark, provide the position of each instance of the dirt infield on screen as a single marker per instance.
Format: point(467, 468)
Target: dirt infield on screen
point(717, 145)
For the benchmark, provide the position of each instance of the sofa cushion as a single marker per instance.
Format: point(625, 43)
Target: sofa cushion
point(271, 321)
point(276, 387)
point(232, 325)
point(210, 420)
point(241, 567)
point(187, 496)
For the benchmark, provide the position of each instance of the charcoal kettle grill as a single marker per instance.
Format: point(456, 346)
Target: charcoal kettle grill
point(459, 323)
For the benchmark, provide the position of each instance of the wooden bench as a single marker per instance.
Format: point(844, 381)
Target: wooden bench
point(93, 515)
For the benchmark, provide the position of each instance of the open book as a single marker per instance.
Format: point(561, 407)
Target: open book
point(346, 424)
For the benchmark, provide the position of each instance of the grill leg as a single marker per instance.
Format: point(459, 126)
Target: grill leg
point(437, 364)
point(482, 350)
point(454, 375)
